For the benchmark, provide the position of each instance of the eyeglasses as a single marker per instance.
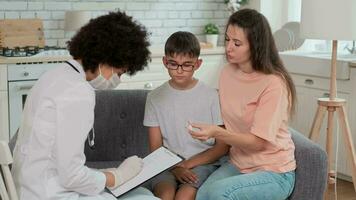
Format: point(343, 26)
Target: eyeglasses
point(185, 67)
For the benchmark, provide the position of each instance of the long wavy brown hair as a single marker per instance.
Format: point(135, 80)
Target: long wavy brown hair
point(264, 54)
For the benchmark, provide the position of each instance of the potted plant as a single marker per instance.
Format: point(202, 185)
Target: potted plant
point(212, 32)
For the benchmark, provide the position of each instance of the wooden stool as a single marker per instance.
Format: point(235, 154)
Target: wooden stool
point(326, 104)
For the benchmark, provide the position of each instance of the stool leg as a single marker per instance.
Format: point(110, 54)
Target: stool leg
point(318, 119)
point(329, 144)
point(348, 141)
point(329, 150)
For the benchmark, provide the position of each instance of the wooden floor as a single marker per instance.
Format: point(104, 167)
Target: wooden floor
point(345, 191)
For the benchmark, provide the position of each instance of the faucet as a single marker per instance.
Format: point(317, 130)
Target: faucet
point(352, 50)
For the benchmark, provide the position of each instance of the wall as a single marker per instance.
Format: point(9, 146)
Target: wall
point(274, 11)
point(161, 17)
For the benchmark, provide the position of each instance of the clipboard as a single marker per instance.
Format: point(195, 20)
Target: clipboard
point(153, 164)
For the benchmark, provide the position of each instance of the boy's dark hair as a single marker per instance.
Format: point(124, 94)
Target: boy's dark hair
point(182, 42)
point(114, 39)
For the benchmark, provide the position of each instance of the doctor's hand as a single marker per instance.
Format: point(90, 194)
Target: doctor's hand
point(203, 131)
point(128, 169)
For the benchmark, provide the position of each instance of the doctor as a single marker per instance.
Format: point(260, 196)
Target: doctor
point(49, 154)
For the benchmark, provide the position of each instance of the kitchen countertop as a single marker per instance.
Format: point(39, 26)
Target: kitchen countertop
point(350, 58)
point(318, 63)
point(156, 51)
point(353, 64)
point(13, 60)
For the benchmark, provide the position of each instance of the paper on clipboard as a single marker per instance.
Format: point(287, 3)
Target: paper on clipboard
point(153, 164)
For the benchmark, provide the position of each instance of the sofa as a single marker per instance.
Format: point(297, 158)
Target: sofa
point(119, 133)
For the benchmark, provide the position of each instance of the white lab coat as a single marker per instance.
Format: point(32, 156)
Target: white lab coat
point(49, 154)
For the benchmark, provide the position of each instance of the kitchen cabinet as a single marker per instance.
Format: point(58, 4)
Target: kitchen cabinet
point(23, 71)
point(302, 121)
point(156, 73)
point(311, 78)
point(4, 120)
point(4, 124)
point(209, 71)
point(3, 78)
point(151, 77)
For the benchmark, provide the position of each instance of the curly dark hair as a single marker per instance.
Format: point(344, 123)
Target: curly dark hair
point(114, 39)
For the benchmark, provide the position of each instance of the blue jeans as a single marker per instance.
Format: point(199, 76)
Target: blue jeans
point(228, 183)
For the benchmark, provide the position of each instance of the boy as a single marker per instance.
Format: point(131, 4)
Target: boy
point(170, 107)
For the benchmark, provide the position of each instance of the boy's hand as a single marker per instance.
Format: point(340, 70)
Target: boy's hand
point(184, 164)
point(184, 175)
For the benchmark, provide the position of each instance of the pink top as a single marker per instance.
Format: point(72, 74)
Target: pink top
point(257, 104)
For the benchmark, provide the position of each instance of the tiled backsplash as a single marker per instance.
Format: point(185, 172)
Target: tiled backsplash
point(161, 17)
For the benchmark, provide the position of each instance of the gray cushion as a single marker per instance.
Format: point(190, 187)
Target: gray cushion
point(119, 130)
point(102, 164)
point(311, 172)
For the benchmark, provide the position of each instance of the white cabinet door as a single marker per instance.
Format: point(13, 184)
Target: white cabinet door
point(307, 103)
point(123, 86)
point(3, 78)
point(209, 71)
point(151, 77)
point(156, 74)
point(302, 121)
point(345, 163)
point(146, 85)
point(4, 119)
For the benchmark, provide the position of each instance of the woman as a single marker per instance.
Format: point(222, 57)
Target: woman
point(49, 155)
point(257, 96)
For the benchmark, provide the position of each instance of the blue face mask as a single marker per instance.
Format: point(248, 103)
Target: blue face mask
point(101, 83)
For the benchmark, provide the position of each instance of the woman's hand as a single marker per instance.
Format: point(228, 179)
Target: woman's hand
point(203, 131)
point(184, 175)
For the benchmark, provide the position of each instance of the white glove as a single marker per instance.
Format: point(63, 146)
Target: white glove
point(128, 169)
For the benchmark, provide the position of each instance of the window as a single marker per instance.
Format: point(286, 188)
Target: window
point(290, 10)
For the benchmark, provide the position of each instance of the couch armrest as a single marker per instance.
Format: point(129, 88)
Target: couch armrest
point(311, 172)
point(119, 130)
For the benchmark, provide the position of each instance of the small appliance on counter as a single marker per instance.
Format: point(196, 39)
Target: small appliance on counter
point(33, 51)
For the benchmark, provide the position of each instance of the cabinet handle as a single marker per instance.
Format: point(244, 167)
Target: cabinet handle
point(25, 74)
point(148, 86)
point(326, 94)
point(309, 81)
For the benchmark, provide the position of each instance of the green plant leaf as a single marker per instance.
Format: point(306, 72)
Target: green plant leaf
point(211, 29)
